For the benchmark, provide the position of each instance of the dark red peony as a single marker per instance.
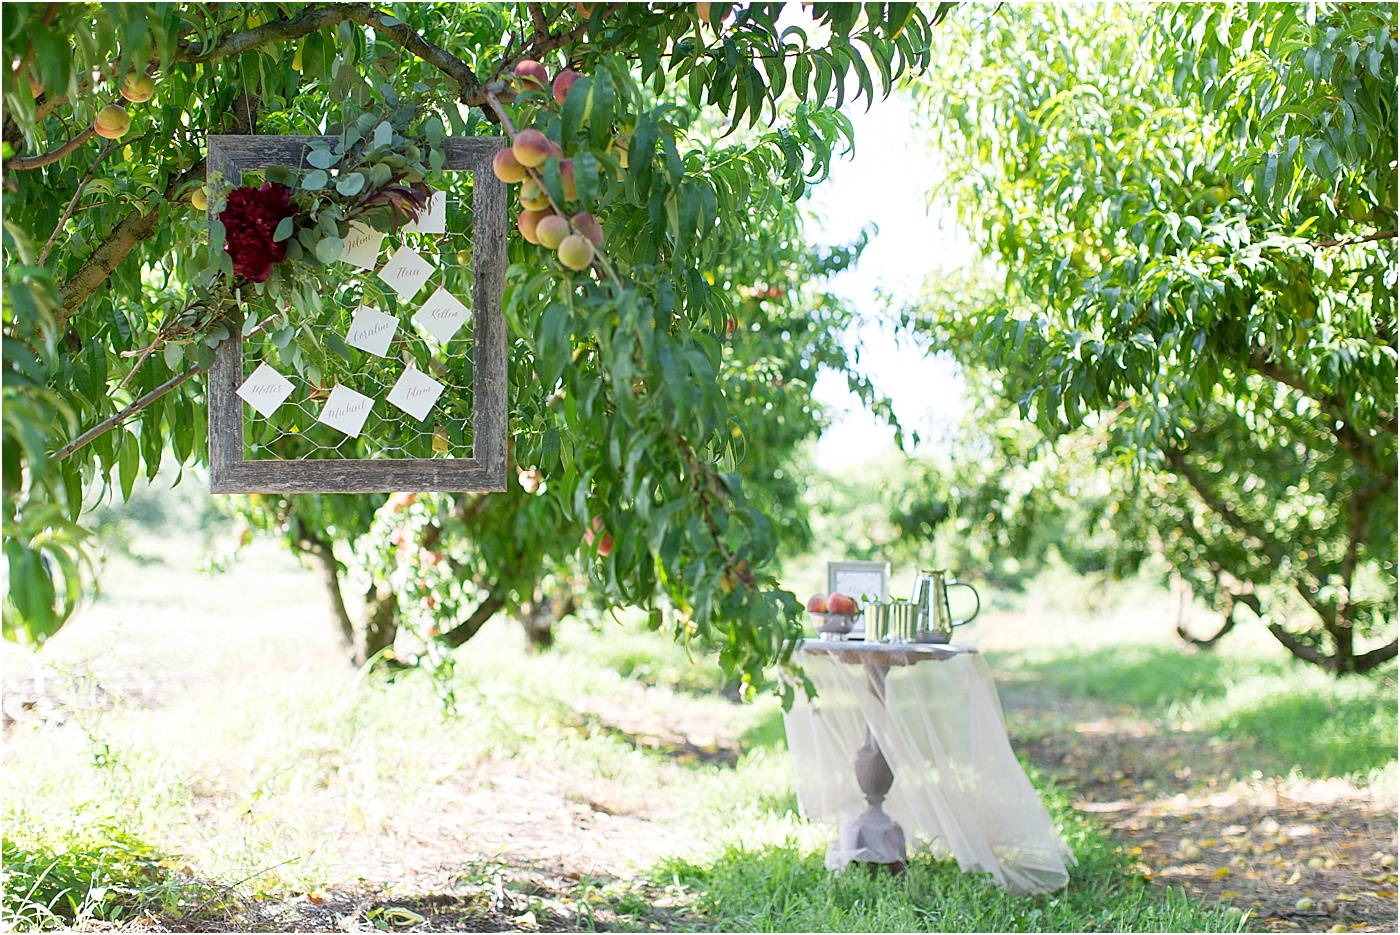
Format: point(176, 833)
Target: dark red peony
point(250, 219)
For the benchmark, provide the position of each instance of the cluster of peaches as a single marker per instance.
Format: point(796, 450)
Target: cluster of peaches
point(572, 239)
point(113, 122)
point(834, 603)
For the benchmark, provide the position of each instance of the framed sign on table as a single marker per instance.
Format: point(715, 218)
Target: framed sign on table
point(422, 384)
point(867, 582)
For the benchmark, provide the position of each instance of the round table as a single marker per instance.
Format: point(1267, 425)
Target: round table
point(907, 740)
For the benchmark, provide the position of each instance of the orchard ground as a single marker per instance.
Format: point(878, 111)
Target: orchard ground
point(192, 754)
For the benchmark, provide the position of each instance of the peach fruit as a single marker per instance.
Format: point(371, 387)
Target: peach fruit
point(112, 122)
point(137, 88)
point(817, 603)
point(531, 148)
point(529, 220)
point(508, 168)
point(533, 196)
point(532, 73)
point(587, 225)
point(605, 542)
point(566, 172)
point(575, 252)
point(838, 603)
point(551, 231)
point(562, 83)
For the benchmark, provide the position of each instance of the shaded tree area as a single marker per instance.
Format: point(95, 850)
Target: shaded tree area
point(1192, 217)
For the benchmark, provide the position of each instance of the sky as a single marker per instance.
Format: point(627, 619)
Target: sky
point(886, 183)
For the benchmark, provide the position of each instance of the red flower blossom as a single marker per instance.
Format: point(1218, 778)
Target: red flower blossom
point(250, 219)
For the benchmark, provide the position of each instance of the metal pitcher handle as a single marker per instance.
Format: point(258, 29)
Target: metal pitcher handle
point(959, 584)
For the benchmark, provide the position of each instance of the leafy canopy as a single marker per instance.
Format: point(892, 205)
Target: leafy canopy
point(1192, 211)
point(635, 403)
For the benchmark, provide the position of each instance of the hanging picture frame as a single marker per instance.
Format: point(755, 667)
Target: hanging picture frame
point(231, 468)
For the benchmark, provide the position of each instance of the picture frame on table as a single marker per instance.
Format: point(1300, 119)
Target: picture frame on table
point(865, 581)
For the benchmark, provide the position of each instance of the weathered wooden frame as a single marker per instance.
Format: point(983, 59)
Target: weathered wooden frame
point(229, 472)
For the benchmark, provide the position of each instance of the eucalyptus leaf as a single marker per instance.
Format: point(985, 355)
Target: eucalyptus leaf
point(174, 354)
point(285, 227)
point(350, 184)
point(328, 249)
point(322, 158)
point(315, 180)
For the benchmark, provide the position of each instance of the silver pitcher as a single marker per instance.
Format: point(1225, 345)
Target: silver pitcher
point(935, 620)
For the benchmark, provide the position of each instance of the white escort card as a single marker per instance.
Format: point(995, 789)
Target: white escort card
point(433, 218)
point(361, 245)
point(406, 272)
point(371, 330)
point(346, 410)
point(415, 392)
point(441, 315)
point(265, 390)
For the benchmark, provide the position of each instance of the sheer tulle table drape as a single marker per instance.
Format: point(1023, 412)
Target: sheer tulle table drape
point(958, 788)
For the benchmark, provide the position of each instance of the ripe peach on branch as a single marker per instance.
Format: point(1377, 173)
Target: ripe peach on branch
point(531, 148)
point(605, 542)
point(112, 122)
point(532, 74)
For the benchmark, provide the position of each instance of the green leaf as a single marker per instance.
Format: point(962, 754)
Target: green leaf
point(284, 230)
point(322, 158)
point(575, 108)
point(586, 177)
point(350, 184)
point(328, 249)
point(552, 344)
point(128, 463)
point(549, 449)
point(315, 180)
point(173, 354)
point(383, 134)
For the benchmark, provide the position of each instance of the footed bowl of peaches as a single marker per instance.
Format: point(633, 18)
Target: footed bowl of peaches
point(835, 614)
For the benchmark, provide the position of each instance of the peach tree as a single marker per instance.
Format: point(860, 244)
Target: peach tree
point(662, 355)
point(1193, 216)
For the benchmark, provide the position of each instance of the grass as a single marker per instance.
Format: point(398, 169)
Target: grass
point(1283, 716)
point(206, 741)
point(785, 887)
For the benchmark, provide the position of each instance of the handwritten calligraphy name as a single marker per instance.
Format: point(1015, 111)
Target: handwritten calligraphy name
point(346, 409)
point(359, 236)
point(442, 312)
point(368, 331)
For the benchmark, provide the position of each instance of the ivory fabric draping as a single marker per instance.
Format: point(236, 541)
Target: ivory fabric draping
point(958, 787)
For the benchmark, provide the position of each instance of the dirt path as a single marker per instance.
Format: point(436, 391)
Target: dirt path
point(1301, 855)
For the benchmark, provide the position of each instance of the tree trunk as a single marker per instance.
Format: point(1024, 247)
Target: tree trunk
point(540, 615)
point(381, 624)
point(323, 558)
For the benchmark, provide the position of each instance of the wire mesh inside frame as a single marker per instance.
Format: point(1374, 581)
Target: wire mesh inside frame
point(293, 432)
